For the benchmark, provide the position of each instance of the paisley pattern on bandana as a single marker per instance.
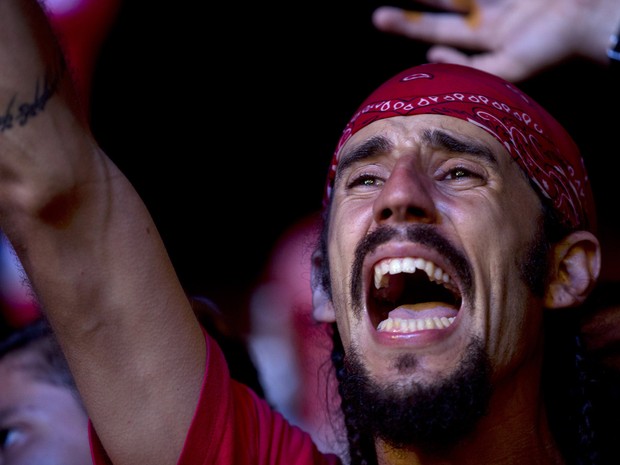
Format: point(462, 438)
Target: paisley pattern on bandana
point(535, 140)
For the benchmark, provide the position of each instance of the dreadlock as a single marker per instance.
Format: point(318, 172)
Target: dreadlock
point(361, 443)
point(51, 365)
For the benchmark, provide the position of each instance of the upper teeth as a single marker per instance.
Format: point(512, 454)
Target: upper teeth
point(408, 265)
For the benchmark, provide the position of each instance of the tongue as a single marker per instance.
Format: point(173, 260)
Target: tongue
point(427, 309)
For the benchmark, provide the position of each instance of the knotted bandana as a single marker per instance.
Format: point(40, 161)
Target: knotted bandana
point(534, 139)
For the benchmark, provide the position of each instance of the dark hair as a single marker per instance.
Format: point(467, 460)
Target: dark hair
point(51, 365)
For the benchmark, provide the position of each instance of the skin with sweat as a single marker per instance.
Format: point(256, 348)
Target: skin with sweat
point(445, 173)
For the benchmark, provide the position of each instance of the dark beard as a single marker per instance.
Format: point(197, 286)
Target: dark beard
point(430, 417)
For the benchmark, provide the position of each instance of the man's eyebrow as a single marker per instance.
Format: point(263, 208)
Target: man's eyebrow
point(435, 137)
point(7, 412)
point(370, 148)
point(452, 143)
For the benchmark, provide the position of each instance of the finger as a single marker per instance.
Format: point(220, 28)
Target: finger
point(495, 63)
point(439, 28)
point(456, 6)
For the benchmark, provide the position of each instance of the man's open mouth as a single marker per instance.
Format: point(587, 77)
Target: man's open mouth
point(427, 295)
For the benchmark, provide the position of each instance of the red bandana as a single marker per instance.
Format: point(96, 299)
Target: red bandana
point(537, 142)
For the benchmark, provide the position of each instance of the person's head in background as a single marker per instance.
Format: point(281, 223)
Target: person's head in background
point(291, 351)
point(42, 419)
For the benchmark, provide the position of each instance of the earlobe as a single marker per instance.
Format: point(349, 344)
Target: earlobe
point(323, 310)
point(575, 269)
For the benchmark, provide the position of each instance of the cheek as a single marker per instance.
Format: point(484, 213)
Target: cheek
point(340, 251)
point(349, 224)
point(348, 227)
point(498, 224)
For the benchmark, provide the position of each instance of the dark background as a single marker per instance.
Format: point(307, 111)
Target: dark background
point(225, 117)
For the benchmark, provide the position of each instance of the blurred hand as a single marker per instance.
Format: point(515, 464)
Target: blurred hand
point(514, 39)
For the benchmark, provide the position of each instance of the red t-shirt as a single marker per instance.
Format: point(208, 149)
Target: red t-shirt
point(233, 426)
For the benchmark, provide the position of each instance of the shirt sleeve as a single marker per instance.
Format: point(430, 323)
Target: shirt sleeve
point(232, 425)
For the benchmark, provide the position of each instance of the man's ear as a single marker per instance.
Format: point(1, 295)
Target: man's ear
point(575, 268)
point(323, 310)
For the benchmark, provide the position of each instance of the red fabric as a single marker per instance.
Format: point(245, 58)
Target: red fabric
point(233, 426)
point(538, 143)
point(82, 27)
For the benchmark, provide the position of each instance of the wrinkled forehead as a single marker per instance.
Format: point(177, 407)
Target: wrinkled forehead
point(533, 138)
point(417, 131)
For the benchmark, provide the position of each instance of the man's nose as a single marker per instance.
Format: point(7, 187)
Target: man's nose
point(406, 197)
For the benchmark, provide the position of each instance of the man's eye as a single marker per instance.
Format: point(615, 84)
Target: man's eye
point(460, 173)
point(8, 437)
point(366, 180)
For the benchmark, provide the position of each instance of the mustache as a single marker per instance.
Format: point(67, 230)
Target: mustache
point(423, 234)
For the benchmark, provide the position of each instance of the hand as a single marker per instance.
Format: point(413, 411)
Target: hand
point(514, 39)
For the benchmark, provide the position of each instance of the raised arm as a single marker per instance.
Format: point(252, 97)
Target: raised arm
point(93, 254)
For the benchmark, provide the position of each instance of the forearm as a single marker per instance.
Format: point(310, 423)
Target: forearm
point(55, 181)
point(37, 109)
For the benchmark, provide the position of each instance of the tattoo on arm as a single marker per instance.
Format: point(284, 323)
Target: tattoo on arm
point(20, 112)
